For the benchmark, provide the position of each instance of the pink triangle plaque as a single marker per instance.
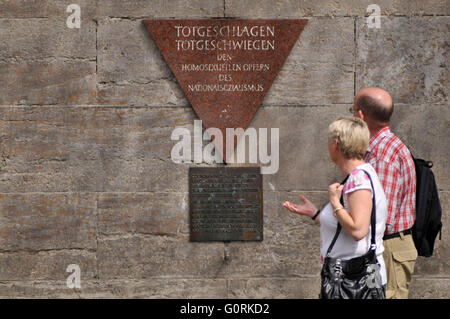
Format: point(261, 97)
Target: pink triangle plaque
point(225, 66)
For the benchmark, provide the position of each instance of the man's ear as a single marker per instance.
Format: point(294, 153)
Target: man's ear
point(361, 115)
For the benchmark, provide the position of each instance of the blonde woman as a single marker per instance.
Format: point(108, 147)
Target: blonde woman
point(348, 138)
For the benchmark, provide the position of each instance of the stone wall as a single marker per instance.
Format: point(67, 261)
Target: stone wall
point(86, 117)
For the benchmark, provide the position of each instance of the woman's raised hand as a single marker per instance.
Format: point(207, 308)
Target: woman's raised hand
point(307, 208)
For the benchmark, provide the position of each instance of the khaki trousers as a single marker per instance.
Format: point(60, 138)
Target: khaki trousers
point(400, 256)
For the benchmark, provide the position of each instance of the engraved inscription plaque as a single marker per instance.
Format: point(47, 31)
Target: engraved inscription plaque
point(225, 204)
point(225, 66)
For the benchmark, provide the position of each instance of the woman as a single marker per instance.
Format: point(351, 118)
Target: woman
point(348, 139)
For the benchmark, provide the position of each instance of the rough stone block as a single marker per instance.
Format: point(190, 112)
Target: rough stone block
point(153, 288)
point(38, 39)
point(46, 9)
point(424, 128)
point(119, 257)
point(57, 149)
point(406, 56)
point(155, 93)
point(319, 69)
point(131, 69)
point(274, 288)
point(429, 288)
point(179, 288)
point(160, 8)
point(38, 290)
point(146, 213)
point(177, 257)
point(311, 84)
point(157, 256)
point(281, 255)
point(51, 81)
point(47, 221)
point(304, 162)
point(127, 53)
point(46, 265)
point(295, 8)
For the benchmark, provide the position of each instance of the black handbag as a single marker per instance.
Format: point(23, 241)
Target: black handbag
point(356, 278)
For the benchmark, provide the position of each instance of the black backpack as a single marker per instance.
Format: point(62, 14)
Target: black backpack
point(428, 209)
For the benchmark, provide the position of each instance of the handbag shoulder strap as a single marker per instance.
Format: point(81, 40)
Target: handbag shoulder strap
point(372, 218)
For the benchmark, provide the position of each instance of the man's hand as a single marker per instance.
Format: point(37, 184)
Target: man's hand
point(307, 209)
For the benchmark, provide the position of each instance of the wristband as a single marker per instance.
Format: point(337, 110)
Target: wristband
point(316, 214)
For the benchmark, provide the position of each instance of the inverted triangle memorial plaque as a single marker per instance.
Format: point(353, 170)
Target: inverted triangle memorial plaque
point(225, 66)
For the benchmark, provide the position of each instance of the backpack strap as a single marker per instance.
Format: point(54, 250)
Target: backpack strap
point(372, 219)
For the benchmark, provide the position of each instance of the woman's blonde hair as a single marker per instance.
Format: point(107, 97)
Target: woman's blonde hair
point(352, 136)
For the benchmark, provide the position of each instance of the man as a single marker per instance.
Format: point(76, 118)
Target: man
point(395, 168)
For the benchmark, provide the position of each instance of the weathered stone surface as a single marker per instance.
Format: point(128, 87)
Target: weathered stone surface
point(429, 288)
point(107, 8)
point(425, 129)
point(46, 265)
point(160, 8)
point(294, 8)
point(406, 56)
point(156, 256)
point(47, 221)
point(44, 62)
point(155, 93)
point(91, 149)
point(146, 213)
point(205, 8)
point(46, 9)
point(304, 161)
point(177, 257)
point(38, 39)
point(119, 258)
point(73, 176)
point(127, 53)
point(178, 288)
point(275, 288)
point(50, 81)
point(131, 69)
point(153, 288)
point(319, 69)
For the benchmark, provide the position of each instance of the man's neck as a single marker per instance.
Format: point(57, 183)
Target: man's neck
point(374, 130)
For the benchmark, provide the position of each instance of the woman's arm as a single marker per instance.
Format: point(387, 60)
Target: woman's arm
point(307, 209)
point(355, 222)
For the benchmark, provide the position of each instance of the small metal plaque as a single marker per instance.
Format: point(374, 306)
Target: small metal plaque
point(225, 204)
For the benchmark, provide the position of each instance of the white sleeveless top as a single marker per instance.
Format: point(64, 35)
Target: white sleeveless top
point(346, 247)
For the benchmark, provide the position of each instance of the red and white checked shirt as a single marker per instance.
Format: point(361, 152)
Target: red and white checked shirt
point(395, 168)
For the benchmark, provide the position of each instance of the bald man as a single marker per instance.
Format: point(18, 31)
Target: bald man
point(395, 168)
